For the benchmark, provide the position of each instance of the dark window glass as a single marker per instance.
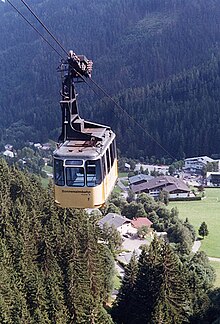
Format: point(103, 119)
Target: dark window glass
point(115, 150)
point(58, 172)
point(74, 162)
point(93, 173)
point(112, 153)
point(103, 166)
point(75, 177)
point(108, 160)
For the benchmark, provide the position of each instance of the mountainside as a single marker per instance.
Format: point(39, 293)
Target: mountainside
point(159, 59)
point(53, 269)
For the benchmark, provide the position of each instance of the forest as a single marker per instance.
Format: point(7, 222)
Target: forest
point(58, 266)
point(158, 59)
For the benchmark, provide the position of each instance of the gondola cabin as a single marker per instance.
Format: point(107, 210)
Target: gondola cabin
point(85, 161)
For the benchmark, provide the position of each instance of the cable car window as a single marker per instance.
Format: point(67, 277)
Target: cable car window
point(108, 160)
point(115, 151)
point(112, 153)
point(93, 173)
point(58, 172)
point(103, 166)
point(74, 162)
point(75, 177)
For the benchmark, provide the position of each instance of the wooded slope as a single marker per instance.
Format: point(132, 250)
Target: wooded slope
point(159, 59)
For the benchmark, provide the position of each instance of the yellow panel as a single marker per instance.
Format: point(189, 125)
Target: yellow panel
point(86, 197)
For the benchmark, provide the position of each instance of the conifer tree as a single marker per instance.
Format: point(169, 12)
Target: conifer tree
point(53, 267)
point(160, 293)
point(120, 309)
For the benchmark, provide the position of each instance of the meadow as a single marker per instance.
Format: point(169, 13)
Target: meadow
point(206, 210)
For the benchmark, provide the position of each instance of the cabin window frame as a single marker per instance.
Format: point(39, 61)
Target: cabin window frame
point(108, 160)
point(58, 174)
point(97, 175)
point(76, 179)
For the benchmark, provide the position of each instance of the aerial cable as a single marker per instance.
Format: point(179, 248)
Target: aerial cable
point(83, 78)
point(42, 36)
point(131, 118)
point(44, 26)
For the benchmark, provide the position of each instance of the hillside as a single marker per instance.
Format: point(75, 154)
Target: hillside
point(52, 267)
point(158, 59)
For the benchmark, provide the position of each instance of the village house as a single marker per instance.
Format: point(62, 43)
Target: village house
point(121, 223)
point(139, 178)
point(8, 147)
point(197, 164)
point(141, 221)
point(175, 187)
point(8, 153)
point(213, 179)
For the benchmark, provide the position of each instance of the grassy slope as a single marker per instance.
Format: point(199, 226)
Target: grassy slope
point(207, 210)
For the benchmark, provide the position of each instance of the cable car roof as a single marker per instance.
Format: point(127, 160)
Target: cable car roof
point(85, 149)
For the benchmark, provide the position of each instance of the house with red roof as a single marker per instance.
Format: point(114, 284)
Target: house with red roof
point(141, 221)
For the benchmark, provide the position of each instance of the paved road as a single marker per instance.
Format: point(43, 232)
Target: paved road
point(214, 259)
point(121, 185)
point(196, 246)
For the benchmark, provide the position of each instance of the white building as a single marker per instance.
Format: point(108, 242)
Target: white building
point(121, 223)
point(196, 164)
point(213, 179)
point(8, 153)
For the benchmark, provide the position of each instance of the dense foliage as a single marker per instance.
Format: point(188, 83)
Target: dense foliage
point(52, 267)
point(159, 59)
point(160, 288)
point(180, 233)
point(56, 265)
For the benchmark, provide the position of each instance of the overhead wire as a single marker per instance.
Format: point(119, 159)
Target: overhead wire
point(44, 26)
point(32, 26)
point(84, 79)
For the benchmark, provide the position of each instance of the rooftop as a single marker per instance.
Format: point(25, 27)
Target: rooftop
point(114, 219)
point(141, 221)
point(140, 177)
point(162, 181)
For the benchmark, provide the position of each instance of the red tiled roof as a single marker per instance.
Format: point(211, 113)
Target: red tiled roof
point(141, 221)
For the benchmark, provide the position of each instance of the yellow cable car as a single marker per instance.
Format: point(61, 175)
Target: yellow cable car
point(85, 162)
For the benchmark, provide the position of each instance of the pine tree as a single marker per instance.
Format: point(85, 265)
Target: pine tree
point(160, 293)
point(203, 230)
point(123, 302)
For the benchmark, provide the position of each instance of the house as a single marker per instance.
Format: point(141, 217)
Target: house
point(37, 145)
point(46, 146)
point(174, 186)
point(213, 179)
point(121, 223)
point(8, 147)
point(8, 153)
point(196, 164)
point(141, 221)
point(162, 169)
point(139, 178)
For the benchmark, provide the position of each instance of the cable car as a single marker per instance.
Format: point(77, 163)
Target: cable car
point(85, 161)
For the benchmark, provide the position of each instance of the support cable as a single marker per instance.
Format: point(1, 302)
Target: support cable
point(32, 26)
point(83, 78)
point(44, 26)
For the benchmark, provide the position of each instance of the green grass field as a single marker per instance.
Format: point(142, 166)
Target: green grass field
point(48, 168)
point(122, 174)
point(206, 210)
